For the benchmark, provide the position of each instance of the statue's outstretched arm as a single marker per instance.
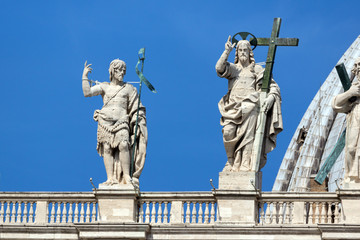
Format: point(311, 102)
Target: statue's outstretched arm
point(221, 63)
point(87, 89)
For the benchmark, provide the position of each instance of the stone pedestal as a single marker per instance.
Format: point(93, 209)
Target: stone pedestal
point(350, 201)
point(236, 197)
point(240, 180)
point(117, 203)
point(236, 207)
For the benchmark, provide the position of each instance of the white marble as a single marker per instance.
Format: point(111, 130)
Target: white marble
point(240, 107)
point(342, 104)
point(116, 124)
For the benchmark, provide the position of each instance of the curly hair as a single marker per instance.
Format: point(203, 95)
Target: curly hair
point(247, 44)
point(115, 64)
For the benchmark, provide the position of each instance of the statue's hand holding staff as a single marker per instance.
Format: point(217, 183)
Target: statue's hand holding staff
point(87, 69)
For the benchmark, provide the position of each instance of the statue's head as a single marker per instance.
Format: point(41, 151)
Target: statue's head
point(356, 68)
point(117, 70)
point(244, 52)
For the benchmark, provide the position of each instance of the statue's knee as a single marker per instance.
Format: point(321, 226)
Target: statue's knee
point(228, 134)
point(123, 146)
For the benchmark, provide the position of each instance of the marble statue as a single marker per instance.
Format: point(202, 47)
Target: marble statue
point(240, 107)
point(116, 124)
point(341, 104)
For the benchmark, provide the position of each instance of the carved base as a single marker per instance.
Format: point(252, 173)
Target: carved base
point(240, 180)
point(103, 186)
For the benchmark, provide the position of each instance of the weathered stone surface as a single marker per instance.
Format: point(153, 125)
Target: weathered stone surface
point(240, 180)
point(116, 123)
point(349, 102)
point(240, 107)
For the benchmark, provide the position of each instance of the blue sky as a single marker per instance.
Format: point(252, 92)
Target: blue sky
point(48, 139)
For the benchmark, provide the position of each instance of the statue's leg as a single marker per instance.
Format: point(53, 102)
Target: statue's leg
point(109, 164)
point(229, 133)
point(246, 157)
point(125, 160)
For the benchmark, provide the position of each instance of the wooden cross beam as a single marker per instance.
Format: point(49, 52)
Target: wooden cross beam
point(272, 42)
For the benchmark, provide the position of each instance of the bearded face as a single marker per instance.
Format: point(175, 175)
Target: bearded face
point(356, 69)
point(243, 53)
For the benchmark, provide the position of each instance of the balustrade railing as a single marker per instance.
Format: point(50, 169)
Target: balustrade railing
point(298, 208)
point(167, 208)
point(49, 207)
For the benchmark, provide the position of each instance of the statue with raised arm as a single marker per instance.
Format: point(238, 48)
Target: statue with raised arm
point(240, 107)
point(349, 103)
point(116, 124)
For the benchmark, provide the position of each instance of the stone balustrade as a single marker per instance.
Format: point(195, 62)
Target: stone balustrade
point(168, 208)
point(298, 208)
point(49, 207)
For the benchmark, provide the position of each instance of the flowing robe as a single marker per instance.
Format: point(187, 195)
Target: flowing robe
point(113, 131)
point(352, 139)
point(240, 106)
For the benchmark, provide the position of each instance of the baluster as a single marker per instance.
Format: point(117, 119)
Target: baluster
point(7, 217)
point(267, 213)
point(87, 219)
point(153, 213)
point(2, 211)
point(160, 214)
point(52, 213)
point(328, 212)
point(93, 213)
point(20, 218)
point(200, 213)
point(311, 216)
point(340, 212)
point(336, 212)
point(187, 219)
point(261, 219)
point(288, 218)
point(18, 212)
point(323, 212)
point(166, 212)
point(64, 213)
point(25, 215)
point(317, 213)
point(82, 212)
point(212, 212)
point(58, 212)
point(281, 212)
point(273, 213)
point(70, 216)
point(147, 212)
point(141, 212)
point(12, 210)
point(31, 212)
point(206, 220)
point(193, 213)
point(76, 212)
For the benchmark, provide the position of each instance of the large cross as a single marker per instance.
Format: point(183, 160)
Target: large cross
point(272, 42)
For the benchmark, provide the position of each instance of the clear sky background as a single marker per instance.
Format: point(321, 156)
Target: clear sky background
point(48, 136)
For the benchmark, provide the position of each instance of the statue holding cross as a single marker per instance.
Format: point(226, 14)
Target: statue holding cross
point(251, 109)
point(240, 106)
point(348, 102)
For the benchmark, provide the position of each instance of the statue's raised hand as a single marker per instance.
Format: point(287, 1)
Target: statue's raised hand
point(87, 69)
point(228, 45)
